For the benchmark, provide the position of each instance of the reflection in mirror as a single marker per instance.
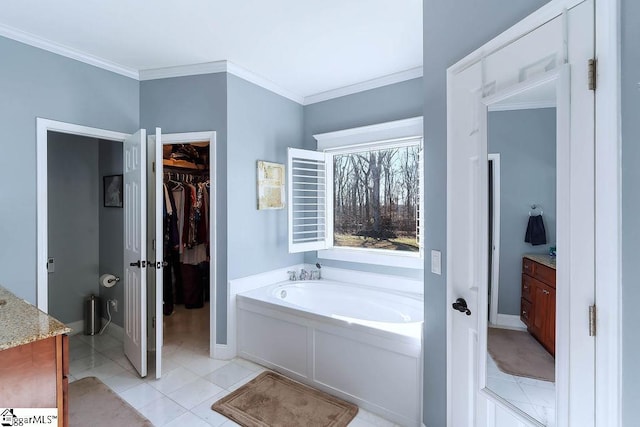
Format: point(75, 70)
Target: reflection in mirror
point(521, 142)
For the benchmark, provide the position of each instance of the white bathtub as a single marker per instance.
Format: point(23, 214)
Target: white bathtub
point(359, 343)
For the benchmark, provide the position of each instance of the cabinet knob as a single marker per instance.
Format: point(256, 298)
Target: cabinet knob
point(546, 292)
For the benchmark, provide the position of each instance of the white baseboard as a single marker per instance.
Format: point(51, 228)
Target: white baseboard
point(223, 352)
point(113, 330)
point(509, 321)
point(77, 328)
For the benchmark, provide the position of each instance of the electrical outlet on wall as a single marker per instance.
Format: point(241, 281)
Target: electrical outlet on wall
point(114, 304)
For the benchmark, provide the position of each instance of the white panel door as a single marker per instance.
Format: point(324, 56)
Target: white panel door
point(159, 250)
point(537, 49)
point(135, 251)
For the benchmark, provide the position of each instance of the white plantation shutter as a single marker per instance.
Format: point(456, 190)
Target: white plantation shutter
point(310, 185)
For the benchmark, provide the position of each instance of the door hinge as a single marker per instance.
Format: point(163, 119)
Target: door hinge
point(593, 73)
point(153, 166)
point(153, 322)
point(592, 320)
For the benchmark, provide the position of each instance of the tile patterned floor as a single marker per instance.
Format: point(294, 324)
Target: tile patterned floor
point(191, 382)
point(535, 397)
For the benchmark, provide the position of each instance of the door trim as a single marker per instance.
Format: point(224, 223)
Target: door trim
point(494, 317)
point(185, 138)
point(608, 186)
point(43, 126)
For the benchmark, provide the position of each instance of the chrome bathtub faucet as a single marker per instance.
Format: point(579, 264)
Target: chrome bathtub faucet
point(304, 274)
point(292, 275)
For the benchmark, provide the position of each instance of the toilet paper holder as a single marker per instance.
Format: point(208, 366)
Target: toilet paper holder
point(108, 280)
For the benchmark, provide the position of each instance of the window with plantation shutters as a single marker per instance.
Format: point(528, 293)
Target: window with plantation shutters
point(359, 197)
point(309, 184)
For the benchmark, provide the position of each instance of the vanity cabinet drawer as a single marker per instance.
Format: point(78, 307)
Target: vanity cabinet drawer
point(526, 287)
point(539, 271)
point(545, 274)
point(528, 266)
point(525, 312)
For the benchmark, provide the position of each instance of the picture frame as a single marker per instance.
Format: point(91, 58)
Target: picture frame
point(271, 180)
point(112, 191)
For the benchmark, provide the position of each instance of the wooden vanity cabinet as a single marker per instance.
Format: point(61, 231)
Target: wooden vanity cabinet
point(538, 302)
point(36, 375)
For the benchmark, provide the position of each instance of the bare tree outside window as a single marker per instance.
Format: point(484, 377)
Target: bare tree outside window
point(376, 197)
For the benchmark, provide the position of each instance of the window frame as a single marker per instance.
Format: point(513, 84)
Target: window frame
point(390, 134)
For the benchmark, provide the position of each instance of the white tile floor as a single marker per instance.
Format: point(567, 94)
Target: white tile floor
point(191, 382)
point(535, 397)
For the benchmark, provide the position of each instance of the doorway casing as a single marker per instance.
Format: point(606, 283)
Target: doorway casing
point(43, 126)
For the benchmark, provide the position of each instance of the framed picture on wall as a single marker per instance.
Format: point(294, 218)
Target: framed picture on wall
point(112, 185)
point(270, 185)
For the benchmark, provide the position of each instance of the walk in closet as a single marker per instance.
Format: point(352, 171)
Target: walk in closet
point(186, 222)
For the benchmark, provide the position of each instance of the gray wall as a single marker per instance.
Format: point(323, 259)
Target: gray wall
point(261, 125)
point(630, 211)
point(393, 102)
point(111, 222)
point(526, 142)
point(73, 223)
point(192, 104)
point(35, 83)
point(445, 43)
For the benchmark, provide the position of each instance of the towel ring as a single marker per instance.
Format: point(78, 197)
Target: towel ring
point(533, 208)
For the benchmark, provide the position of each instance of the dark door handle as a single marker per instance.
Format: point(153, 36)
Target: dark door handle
point(139, 264)
point(461, 306)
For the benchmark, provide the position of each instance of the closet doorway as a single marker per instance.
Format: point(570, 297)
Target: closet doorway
point(185, 242)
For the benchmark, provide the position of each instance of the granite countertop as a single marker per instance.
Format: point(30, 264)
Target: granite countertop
point(22, 323)
point(544, 259)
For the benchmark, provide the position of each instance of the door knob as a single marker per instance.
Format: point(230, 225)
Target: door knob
point(461, 306)
point(139, 264)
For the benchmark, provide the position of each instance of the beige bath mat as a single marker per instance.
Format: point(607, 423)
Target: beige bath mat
point(518, 353)
point(272, 400)
point(91, 403)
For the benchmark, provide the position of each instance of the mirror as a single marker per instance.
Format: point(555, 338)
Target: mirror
point(521, 133)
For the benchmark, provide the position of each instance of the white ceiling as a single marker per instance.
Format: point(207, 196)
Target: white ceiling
point(304, 46)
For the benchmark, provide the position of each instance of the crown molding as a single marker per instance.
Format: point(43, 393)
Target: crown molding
point(39, 42)
point(254, 78)
point(203, 68)
point(412, 73)
point(219, 67)
point(184, 70)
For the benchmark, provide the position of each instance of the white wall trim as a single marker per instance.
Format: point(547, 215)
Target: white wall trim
point(224, 352)
point(412, 73)
point(57, 48)
point(116, 331)
point(495, 226)
point(203, 68)
point(183, 70)
point(412, 127)
point(608, 183)
point(265, 83)
point(43, 126)
point(549, 11)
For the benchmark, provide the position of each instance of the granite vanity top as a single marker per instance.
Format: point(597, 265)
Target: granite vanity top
point(22, 323)
point(544, 259)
